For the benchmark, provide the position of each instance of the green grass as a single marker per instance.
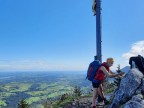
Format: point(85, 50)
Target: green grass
point(2, 103)
point(43, 86)
point(38, 93)
point(60, 104)
point(5, 94)
point(53, 84)
point(53, 94)
point(111, 90)
point(15, 87)
point(44, 90)
point(24, 86)
point(33, 99)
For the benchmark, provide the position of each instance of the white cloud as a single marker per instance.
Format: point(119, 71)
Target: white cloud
point(136, 49)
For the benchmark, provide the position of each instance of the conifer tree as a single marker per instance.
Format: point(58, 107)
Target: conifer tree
point(117, 80)
point(23, 104)
point(77, 91)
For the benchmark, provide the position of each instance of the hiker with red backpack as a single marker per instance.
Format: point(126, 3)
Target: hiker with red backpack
point(100, 73)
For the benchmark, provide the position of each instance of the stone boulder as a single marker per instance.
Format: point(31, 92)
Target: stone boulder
point(141, 88)
point(128, 86)
point(136, 102)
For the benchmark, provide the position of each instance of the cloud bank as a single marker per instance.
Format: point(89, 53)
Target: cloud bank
point(136, 49)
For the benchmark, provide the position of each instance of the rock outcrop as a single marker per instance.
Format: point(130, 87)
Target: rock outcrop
point(135, 102)
point(131, 84)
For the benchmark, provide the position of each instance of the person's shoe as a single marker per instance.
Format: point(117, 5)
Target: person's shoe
point(94, 107)
point(100, 104)
point(106, 102)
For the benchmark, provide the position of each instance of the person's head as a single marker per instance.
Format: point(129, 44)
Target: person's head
point(110, 61)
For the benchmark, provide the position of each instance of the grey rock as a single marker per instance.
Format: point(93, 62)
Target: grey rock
point(135, 102)
point(128, 86)
point(137, 98)
point(141, 88)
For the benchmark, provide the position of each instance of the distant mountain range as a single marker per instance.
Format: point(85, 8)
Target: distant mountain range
point(126, 69)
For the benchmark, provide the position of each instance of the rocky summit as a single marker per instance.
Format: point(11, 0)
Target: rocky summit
point(130, 92)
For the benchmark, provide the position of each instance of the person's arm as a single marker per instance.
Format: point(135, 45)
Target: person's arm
point(120, 76)
point(109, 74)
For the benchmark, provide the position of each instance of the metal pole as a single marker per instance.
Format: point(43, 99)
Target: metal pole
point(98, 30)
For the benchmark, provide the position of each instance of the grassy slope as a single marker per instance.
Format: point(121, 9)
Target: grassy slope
point(46, 88)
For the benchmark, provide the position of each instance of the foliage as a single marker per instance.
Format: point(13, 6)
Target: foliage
point(23, 104)
point(61, 104)
point(2, 103)
point(47, 104)
point(64, 97)
point(110, 90)
point(77, 91)
point(68, 98)
point(32, 99)
point(117, 80)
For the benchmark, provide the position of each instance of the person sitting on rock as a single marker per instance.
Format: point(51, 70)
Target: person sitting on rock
point(103, 70)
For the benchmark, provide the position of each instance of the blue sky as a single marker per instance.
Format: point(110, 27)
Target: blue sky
point(52, 35)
